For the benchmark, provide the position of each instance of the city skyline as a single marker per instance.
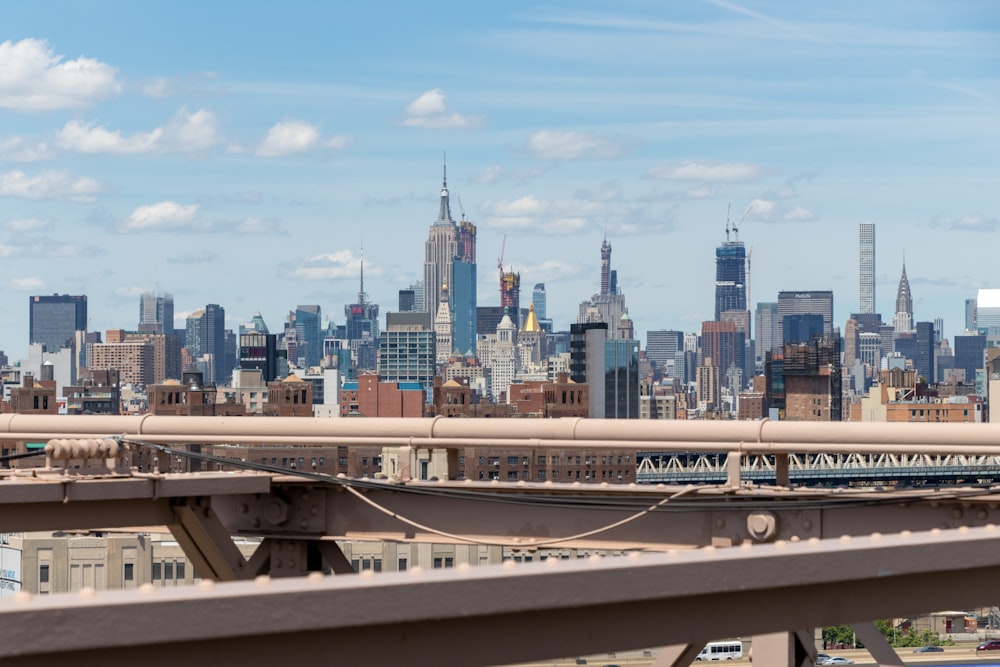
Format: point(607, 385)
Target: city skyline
point(247, 164)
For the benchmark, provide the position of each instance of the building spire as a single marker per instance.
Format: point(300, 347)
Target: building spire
point(361, 293)
point(444, 213)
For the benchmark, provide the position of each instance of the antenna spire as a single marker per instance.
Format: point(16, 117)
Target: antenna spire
point(361, 294)
point(445, 181)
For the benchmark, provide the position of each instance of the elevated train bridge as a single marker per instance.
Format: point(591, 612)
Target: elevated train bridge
point(735, 554)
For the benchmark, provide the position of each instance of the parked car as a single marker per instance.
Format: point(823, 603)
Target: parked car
point(837, 660)
point(928, 649)
point(991, 645)
point(821, 658)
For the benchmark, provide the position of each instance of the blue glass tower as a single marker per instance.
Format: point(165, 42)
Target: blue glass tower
point(730, 275)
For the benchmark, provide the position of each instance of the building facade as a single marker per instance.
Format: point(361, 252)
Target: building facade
point(53, 320)
point(866, 268)
point(804, 303)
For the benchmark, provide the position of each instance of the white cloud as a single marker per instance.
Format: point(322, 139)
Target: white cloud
point(32, 78)
point(975, 223)
point(571, 145)
point(767, 210)
point(760, 209)
point(185, 133)
point(19, 149)
point(165, 215)
point(333, 265)
point(708, 172)
point(429, 110)
point(189, 132)
point(547, 217)
point(799, 214)
point(290, 137)
point(294, 137)
point(92, 139)
point(49, 184)
point(27, 284)
point(26, 225)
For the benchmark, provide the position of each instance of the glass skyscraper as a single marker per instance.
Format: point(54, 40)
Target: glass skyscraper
point(54, 319)
point(730, 276)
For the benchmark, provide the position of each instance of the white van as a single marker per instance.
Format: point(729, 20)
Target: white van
point(731, 650)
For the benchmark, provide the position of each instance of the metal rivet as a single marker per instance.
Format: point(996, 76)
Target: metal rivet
point(147, 589)
point(206, 584)
point(262, 580)
point(876, 537)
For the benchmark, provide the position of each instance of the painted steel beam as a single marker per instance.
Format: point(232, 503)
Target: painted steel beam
point(574, 516)
point(53, 501)
point(506, 614)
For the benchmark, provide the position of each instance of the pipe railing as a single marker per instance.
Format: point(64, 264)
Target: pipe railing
point(744, 437)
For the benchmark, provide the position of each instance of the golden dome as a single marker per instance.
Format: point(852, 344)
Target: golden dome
point(531, 322)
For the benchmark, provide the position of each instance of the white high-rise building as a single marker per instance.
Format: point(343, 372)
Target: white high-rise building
point(903, 319)
point(866, 267)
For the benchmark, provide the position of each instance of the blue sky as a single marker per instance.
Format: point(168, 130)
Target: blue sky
point(243, 155)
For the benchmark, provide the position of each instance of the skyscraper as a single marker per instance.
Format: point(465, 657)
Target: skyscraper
point(308, 322)
point(361, 327)
point(662, 346)
point(730, 275)
point(510, 294)
point(206, 341)
point(988, 313)
point(609, 305)
point(464, 309)
point(407, 349)
point(903, 319)
point(766, 328)
point(450, 259)
point(866, 267)
point(804, 303)
point(439, 251)
point(156, 313)
point(970, 314)
point(53, 320)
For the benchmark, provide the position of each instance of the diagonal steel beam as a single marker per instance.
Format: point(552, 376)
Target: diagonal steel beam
point(206, 542)
point(548, 609)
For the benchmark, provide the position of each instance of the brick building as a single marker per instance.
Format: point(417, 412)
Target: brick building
point(370, 398)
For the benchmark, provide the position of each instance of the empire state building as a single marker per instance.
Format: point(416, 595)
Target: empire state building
point(450, 259)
